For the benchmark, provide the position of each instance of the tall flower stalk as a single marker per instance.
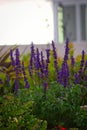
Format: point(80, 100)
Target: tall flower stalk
point(32, 58)
point(42, 64)
point(17, 69)
point(55, 58)
point(72, 61)
point(27, 85)
point(12, 58)
point(47, 62)
point(64, 73)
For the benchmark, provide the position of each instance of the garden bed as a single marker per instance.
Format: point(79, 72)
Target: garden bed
point(43, 93)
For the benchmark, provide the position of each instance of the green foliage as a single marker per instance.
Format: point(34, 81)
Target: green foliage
point(34, 109)
point(81, 119)
point(16, 112)
point(59, 106)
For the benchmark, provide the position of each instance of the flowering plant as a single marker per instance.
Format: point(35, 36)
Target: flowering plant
point(45, 89)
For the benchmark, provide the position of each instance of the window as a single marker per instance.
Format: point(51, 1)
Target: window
point(60, 24)
point(72, 21)
point(67, 22)
point(83, 16)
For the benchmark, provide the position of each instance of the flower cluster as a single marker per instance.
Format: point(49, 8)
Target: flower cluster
point(40, 67)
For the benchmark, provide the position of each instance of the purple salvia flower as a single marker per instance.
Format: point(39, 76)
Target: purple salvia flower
point(17, 57)
point(64, 74)
point(25, 77)
point(42, 63)
point(16, 79)
point(15, 68)
point(42, 59)
point(17, 62)
point(12, 58)
point(47, 62)
point(48, 55)
point(27, 85)
point(32, 57)
point(56, 65)
point(55, 58)
point(30, 71)
point(59, 76)
point(37, 60)
point(54, 50)
point(76, 76)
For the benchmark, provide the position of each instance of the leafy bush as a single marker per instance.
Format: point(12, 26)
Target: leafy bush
point(15, 113)
point(59, 106)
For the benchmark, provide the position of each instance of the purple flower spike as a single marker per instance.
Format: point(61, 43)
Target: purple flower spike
point(64, 74)
point(45, 87)
point(42, 63)
point(12, 58)
point(25, 77)
point(46, 71)
point(42, 58)
point(27, 85)
point(55, 58)
point(76, 76)
point(17, 57)
point(32, 57)
point(54, 50)
point(48, 55)
point(37, 63)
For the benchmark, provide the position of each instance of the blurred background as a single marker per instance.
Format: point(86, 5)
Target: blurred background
point(41, 21)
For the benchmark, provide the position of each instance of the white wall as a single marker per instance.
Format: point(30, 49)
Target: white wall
point(23, 21)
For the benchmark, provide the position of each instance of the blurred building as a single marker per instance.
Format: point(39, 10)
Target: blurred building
point(41, 21)
point(70, 20)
